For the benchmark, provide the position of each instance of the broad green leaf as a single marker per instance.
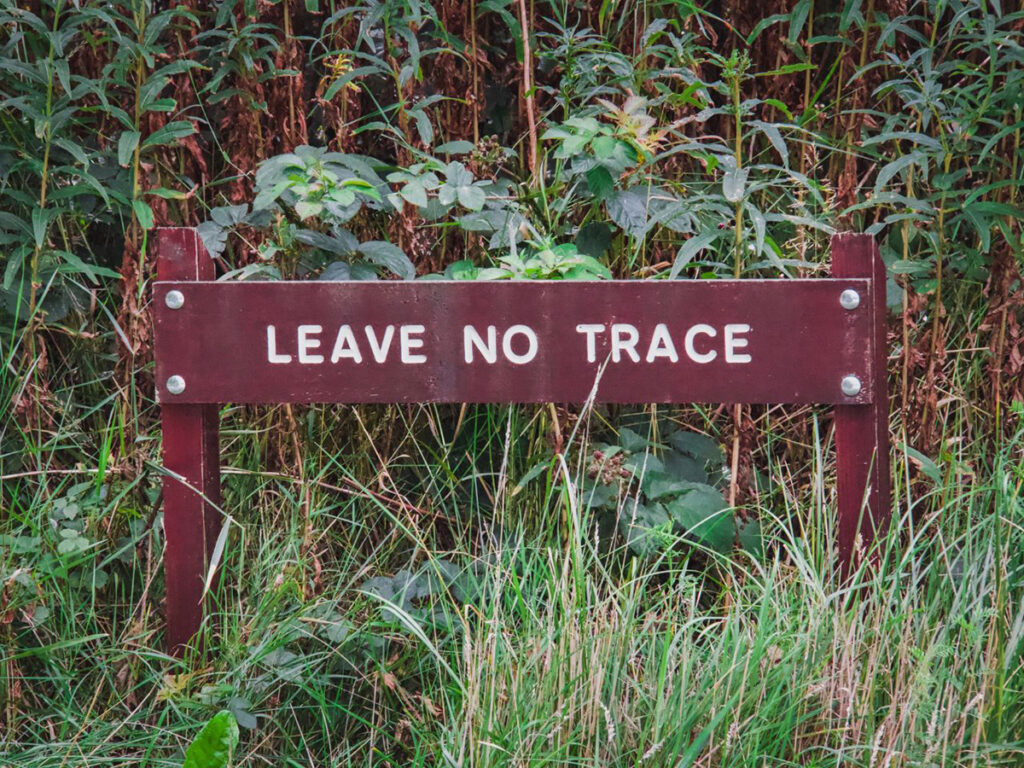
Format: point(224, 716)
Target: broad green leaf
point(143, 213)
point(734, 184)
point(689, 250)
point(600, 182)
point(126, 147)
point(702, 514)
point(171, 132)
point(471, 197)
point(697, 445)
point(390, 256)
point(215, 744)
point(632, 441)
point(647, 528)
point(594, 239)
point(306, 209)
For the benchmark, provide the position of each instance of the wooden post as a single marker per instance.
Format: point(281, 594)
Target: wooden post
point(862, 431)
point(190, 451)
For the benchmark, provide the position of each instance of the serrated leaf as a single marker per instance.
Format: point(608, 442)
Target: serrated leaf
point(600, 182)
point(628, 209)
point(472, 197)
point(214, 237)
point(702, 514)
point(177, 129)
point(689, 250)
point(647, 528)
point(734, 184)
point(215, 744)
point(697, 445)
point(390, 256)
point(143, 213)
point(594, 239)
point(631, 440)
point(126, 144)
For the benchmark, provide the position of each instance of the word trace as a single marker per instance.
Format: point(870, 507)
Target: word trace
point(440, 341)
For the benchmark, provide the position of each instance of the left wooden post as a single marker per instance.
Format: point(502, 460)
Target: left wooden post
point(191, 487)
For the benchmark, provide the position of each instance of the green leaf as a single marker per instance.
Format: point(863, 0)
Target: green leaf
point(698, 446)
point(390, 256)
point(594, 239)
point(691, 248)
point(214, 744)
point(454, 147)
point(214, 237)
point(126, 147)
point(173, 131)
point(40, 219)
point(415, 193)
point(631, 441)
point(734, 183)
point(472, 197)
point(648, 529)
point(928, 467)
point(628, 209)
point(896, 166)
point(703, 515)
point(305, 209)
point(600, 182)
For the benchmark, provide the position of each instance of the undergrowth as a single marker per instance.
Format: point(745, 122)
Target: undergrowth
point(495, 585)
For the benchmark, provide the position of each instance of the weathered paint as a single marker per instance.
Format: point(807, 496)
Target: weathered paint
point(782, 341)
point(508, 342)
point(191, 487)
point(863, 485)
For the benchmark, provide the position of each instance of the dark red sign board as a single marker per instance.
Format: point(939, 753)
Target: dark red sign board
point(778, 341)
point(785, 341)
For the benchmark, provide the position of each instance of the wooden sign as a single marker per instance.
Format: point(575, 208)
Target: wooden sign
point(682, 341)
point(760, 341)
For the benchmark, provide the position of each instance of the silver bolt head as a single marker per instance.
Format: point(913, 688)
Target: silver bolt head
point(174, 299)
point(850, 386)
point(849, 299)
point(176, 385)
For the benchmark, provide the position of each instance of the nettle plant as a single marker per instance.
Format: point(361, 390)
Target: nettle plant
point(304, 199)
point(662, 492)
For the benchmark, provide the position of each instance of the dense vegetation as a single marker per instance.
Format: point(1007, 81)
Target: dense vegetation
point(510, 585)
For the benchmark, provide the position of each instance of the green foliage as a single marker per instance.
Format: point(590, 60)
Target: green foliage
point(215, 744)
point(662, 493)
point(304, 199)
point(528, 585)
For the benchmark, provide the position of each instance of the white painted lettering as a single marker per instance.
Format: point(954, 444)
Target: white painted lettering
point(408, 343)
point(591, 329)
point(307, 343)
point(531, 340)
point(624, 339)
point(661, 345)
point(488, 349)
point(273, 356)
point(380, 348)
point(732, 343)
point(345, 346)
point(691, 350)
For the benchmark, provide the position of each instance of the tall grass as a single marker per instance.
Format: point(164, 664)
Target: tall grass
point(429, 586)
point(368, 627)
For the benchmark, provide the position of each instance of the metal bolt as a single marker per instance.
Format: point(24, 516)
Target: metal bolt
point(174, 299)
point(849, 299)
point(850, 386)
point(176, 385)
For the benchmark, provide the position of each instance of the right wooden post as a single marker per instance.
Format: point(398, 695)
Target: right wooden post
point(862, 431)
